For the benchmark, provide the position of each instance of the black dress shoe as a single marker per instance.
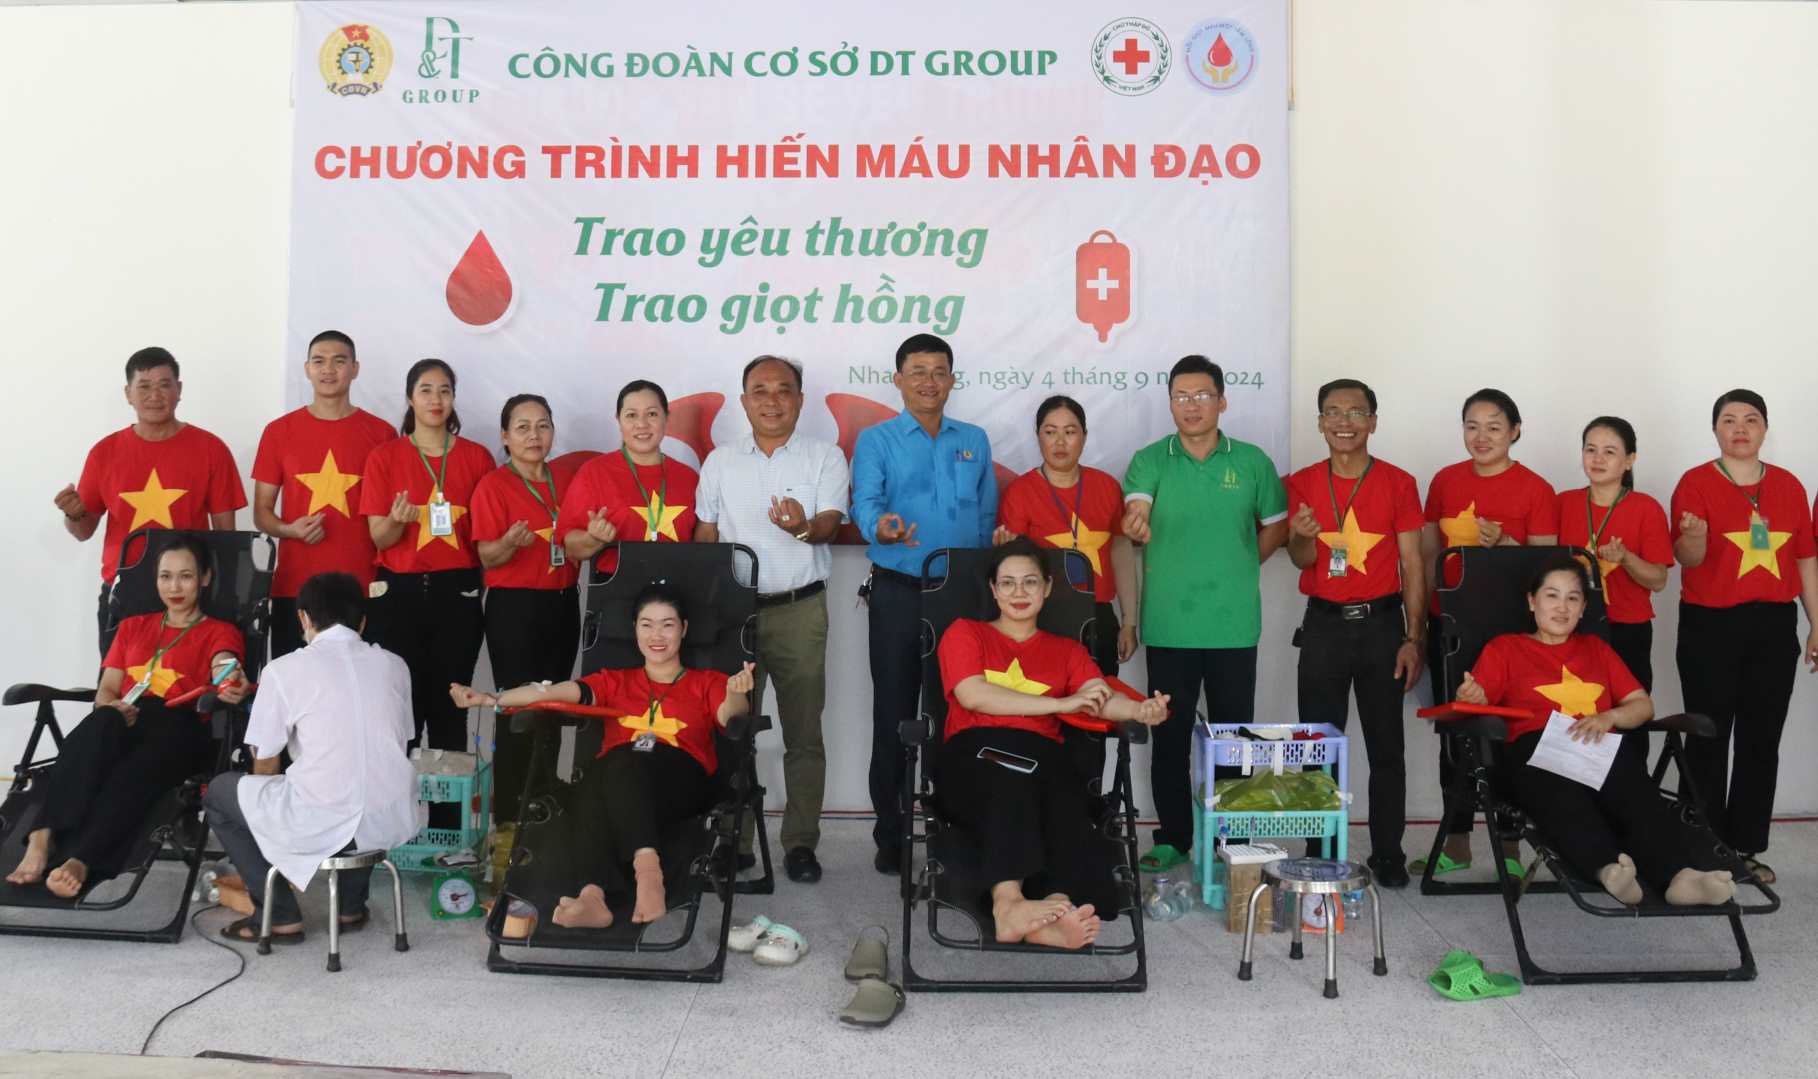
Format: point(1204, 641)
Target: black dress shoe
point(889, 862)
point(802, 866)
point(1389, 872)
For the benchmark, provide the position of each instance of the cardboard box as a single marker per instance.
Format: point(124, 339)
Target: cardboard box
point(1242, 881)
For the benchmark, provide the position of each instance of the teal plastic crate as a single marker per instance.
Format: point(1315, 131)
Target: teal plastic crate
point(1210, 825)
point(474, 793)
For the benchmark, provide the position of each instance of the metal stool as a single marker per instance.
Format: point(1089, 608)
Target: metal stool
point(1328, 880)
point(352, 859)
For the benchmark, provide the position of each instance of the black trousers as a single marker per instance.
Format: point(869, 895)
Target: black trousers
point(532, 635)
point(108, 776)
point(228, 822)
point(896, 680)
point(1737, 665)
point(286, 631)
point(1633, 643)
point(101, 632)
point(1589, 828)
point(433, 622)
point(1228, 676)
point(1035, 828)
point(624, 802)
point(1339, 658)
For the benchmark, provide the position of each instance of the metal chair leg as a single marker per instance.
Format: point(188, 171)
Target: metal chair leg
point(1294, 949)
point(271, 890)
point(1382, 962)
point(1327, 905)
point(1243, 968)
point(334, 920)
point(401, 942)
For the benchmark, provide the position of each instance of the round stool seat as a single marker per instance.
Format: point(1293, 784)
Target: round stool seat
point(354, 859)
point(1316, 876)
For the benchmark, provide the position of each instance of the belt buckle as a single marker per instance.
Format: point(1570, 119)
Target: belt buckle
point(1354, 612)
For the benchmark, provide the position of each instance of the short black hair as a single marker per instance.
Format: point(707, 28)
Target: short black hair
point(640, 385)
point(1017, 547)
point(1060, 400)
point(923, 342)
point(659, 591)
point(151, 358)
point(522, 399)
point(1337, 384)
point(417, 371)
point(1501, 400)
point(1739, 397)
point(1567, 563)
point(1196, 365)
point(333, 599)
point(338, 338)
point(745, 377)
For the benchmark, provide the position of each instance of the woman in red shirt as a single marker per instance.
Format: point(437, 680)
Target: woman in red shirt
point(1623, 834)
point(1006, 778)
point(655, 768)
point(533, 611)
point(638, 493)
point(1742, 531)
point(131, 749)
point(1488, 500)
point(417, 496)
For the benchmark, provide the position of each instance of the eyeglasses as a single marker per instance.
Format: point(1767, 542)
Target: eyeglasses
point(1203, 397)
point(1355, 415)
point(1015, 585)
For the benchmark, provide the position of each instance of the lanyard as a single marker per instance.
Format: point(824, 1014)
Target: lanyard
point(1079, 498)
point(652, 701)
point(1596, 534)
point(437, 472)
point(163, 623)
point(1754, 499)
point(662, 498)
point(549, 506)
point(1338, 516)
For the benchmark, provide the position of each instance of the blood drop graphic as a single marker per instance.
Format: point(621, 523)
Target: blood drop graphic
point(479, 289)
point(1220, 54)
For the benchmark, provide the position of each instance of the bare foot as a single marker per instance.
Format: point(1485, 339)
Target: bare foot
point(37, 858)
point(585, 911)
point(651, 902)
point(1458, 847)
point(1692, 887)
point(1618, 879)
point(67, 879)
point(1017, 918)
point(1074, 929)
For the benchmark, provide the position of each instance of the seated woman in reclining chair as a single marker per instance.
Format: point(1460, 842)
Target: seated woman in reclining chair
point(1624, 830)
point(656, 764)
point(132, 749)
point(1005, 775)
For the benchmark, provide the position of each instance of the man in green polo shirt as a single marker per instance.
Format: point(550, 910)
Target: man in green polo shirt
point(1208, 510)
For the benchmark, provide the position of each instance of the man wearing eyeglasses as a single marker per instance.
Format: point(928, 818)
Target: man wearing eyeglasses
point(1355, 536)
point(1208, 510)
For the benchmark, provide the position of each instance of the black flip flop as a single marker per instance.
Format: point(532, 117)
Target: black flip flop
point(246, 931)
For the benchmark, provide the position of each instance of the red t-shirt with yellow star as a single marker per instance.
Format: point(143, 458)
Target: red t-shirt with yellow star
point(606, 483)
point(684, 714)
point(1516, 498)
point(175, 483)
point(1639, 522)
point(1033, 507)
point(316, 465)
point(185, 666)
point(1386, 504)
point(1734, 571)
point(395, 467)
point(1578, 677)
point(501, 499)
point(1047, 664)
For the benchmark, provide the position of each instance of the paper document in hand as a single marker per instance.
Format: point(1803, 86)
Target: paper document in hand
point(1581, 762)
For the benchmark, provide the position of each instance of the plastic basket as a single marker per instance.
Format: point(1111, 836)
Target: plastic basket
point(474, 792)
point(1209, 826)
point(1220, 746)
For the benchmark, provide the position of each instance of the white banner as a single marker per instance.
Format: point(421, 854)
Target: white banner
point(559, 197)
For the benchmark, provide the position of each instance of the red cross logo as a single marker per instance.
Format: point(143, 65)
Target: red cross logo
point(1132, 55)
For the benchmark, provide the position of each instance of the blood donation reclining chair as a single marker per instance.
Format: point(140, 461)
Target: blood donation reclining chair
point(940, 861)
point(1488, 601)
point(701, 856)
point(174, 830)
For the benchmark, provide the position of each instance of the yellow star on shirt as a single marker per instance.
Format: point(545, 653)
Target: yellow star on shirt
point(663, 526)
point(1088, 543)
point(1574, 696)
point(1752, 557)
point(161, 680)
point(151, 504)
point(1355, 541)
point(328, 487)
point(1013, 677)
point(654, 722)
point(1461, 531)
point(424, 535)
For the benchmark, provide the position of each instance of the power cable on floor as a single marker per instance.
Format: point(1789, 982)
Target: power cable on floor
point(238, 954)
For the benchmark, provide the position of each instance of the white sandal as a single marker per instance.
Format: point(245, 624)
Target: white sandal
point(780, 947)
point(743, 938)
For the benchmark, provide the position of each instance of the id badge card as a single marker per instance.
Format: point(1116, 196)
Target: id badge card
point(138, 688)
point(441, 516)
point(1758, 533)
point(644, 742)
point(557, 556)
point(1339, 564)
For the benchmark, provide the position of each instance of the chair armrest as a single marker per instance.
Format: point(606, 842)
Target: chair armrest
point(915, 732)
point(1134, 733)
point(1495, 728)
point(32, 693)
point(1684, 723)
point(747, 727)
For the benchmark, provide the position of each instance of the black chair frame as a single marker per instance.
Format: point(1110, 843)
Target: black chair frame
point(174, 830)
point(953, 586)
point(714, 579)
point(1486, 602)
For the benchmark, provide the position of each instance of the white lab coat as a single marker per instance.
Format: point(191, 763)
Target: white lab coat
point(342, 706)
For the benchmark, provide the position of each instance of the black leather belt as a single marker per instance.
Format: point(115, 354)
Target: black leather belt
point(1357, 612)
point(777, 599)
point(904, 579)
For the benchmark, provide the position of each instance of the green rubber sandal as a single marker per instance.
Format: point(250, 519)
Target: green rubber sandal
point(1445, 865)
point(1515, 868)
point(1465, 979)
point(1161, 858)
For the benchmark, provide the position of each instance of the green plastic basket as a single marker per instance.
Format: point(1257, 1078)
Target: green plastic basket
point(472, 791)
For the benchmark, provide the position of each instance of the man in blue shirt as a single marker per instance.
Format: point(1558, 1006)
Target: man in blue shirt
point(920, 482)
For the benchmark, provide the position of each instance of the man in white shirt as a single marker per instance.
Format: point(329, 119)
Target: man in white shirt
point(342, 707)
point(783, 494)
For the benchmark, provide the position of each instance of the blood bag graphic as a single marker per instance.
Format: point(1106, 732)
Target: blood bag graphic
point(1101, 279)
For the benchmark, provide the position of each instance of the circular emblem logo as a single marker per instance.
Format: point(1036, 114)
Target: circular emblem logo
point(355, 60)
point(1131, 56)
point(1220, 55)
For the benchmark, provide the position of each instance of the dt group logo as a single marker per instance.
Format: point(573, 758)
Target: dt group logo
point(355, 60)
point(1220, 55)
point(441, 60)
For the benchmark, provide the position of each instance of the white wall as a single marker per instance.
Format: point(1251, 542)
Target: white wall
point(1598, 207)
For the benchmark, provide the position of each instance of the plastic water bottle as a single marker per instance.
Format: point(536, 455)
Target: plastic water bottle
point(1159, 902)
point(1353, 907)
point(1185, 897)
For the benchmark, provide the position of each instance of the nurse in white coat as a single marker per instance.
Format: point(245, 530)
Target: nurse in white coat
point(342, 708)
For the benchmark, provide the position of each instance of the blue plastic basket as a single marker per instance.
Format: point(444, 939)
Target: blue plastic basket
point(474, 793)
